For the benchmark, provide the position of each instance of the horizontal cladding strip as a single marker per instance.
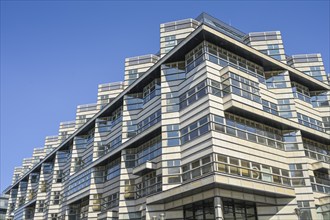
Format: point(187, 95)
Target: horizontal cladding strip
point(279, 204)
point(210, 182)
point(187, 115)
point(305, 194)
point(162, 60)
point(197, 151)
point(293, 215)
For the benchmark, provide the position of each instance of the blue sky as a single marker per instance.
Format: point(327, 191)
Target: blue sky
point(55, 53)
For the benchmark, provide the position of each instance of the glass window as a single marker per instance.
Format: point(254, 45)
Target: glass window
point(234, 161)
point(185, 168)
point(172, 163)
point(222, 158)
point(195, 164)
point(173, 170)
point(245, 163)
point(173, 142)
point(174, 179)
point(195, 173)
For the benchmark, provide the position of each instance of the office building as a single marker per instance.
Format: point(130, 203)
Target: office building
point(220, 124)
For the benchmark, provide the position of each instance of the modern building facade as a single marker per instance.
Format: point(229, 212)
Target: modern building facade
point(219, 124)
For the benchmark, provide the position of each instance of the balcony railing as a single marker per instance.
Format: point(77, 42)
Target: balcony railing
point(302, 97)
point(87, 107)
point(317, 156)
point(320, 188)
point(111, 86)
point(223, 63)
point(151, 95)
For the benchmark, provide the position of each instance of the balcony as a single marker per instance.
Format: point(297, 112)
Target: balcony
point(82, 142)
point(321, 188)
point(321, 180)
point(144, 168)
point(148, 122)
point(151, 95)
point(320, 165)
point(106, 124)
point(252, 110)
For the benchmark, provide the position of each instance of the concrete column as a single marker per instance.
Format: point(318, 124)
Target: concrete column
point(161, 216)
point(218, 206)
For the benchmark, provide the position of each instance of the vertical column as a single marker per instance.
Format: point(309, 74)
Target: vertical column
point(161, 216)
point(218, 206)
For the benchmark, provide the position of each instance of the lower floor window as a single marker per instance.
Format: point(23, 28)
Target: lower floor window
point(200, 210)
point(236, 209)
point(232, 210)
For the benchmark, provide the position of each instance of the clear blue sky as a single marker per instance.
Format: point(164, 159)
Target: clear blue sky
point(54, 54)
